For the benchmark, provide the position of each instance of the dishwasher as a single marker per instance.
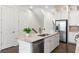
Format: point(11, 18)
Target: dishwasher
point(38, 46)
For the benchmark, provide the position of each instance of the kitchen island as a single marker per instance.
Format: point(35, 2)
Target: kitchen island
point(36, 42)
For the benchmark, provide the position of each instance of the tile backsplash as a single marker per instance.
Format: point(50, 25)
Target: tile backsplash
point(73, 28)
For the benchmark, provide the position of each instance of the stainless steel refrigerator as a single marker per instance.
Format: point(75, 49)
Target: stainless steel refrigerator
point(62, 27)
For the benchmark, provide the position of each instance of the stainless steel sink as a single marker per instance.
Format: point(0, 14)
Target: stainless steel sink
point(43, 34)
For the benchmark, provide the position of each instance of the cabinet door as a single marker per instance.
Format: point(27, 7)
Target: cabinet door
point(47, 45)
point(0, 28)
point(71, 37)
point(55, 40)
point(51, 43)
point(9, 27)
point(64, 15)
point(74, 18)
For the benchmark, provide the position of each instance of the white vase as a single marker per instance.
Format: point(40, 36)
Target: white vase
point(27, 34)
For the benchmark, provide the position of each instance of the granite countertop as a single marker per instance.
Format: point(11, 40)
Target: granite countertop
point(35, 37)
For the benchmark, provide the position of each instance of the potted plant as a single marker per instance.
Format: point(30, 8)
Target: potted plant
point(27, 31)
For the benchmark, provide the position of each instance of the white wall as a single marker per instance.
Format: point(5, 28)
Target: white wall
point(48, 22)
point(0, 29)
point(39, 15)
point(28, 18)
point(9, 27)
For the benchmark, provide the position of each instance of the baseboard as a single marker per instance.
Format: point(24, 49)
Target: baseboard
point(62, 41)
point(71, 43)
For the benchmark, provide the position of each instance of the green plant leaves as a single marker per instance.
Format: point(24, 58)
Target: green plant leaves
point(27, 30)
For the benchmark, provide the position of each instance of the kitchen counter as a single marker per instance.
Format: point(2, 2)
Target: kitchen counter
point(35, 37)
point(34, 43)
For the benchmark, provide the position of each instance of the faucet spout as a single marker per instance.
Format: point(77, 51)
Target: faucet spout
point(34, 30)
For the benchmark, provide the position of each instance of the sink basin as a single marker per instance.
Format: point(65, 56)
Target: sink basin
point(43, 34)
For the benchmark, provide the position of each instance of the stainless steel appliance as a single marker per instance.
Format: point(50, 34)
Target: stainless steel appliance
point(62, 28)
point(38, 46)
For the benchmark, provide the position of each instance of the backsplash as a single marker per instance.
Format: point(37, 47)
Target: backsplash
point(73, 28)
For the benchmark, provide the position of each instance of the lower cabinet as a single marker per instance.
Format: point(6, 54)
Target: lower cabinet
point(77, 46)
point(31, 47)
point(71, 37)
point(51, 43)
point(46, 45)
point(25, 47)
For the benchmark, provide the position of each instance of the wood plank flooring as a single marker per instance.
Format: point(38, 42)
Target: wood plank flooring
point(14, 49)
point(65, 48)
point(62, 48)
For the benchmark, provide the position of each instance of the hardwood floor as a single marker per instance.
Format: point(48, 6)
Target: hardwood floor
point(65, 48)
point(62, 48)
point(14, 49)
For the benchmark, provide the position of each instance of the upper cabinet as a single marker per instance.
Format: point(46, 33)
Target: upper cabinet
point(74, 15)
point(74, 18)
point(62, 15)
point(62, 12)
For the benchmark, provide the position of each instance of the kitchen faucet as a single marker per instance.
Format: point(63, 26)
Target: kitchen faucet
point(34, 30)
point(40, 30)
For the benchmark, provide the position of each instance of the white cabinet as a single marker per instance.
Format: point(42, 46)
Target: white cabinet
point(77, 46)
point(74, 18)
point(62, 15)
point(25, 47)
point(71, 37)
point(51, 43)
point(0, 30)
point(9, 27)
